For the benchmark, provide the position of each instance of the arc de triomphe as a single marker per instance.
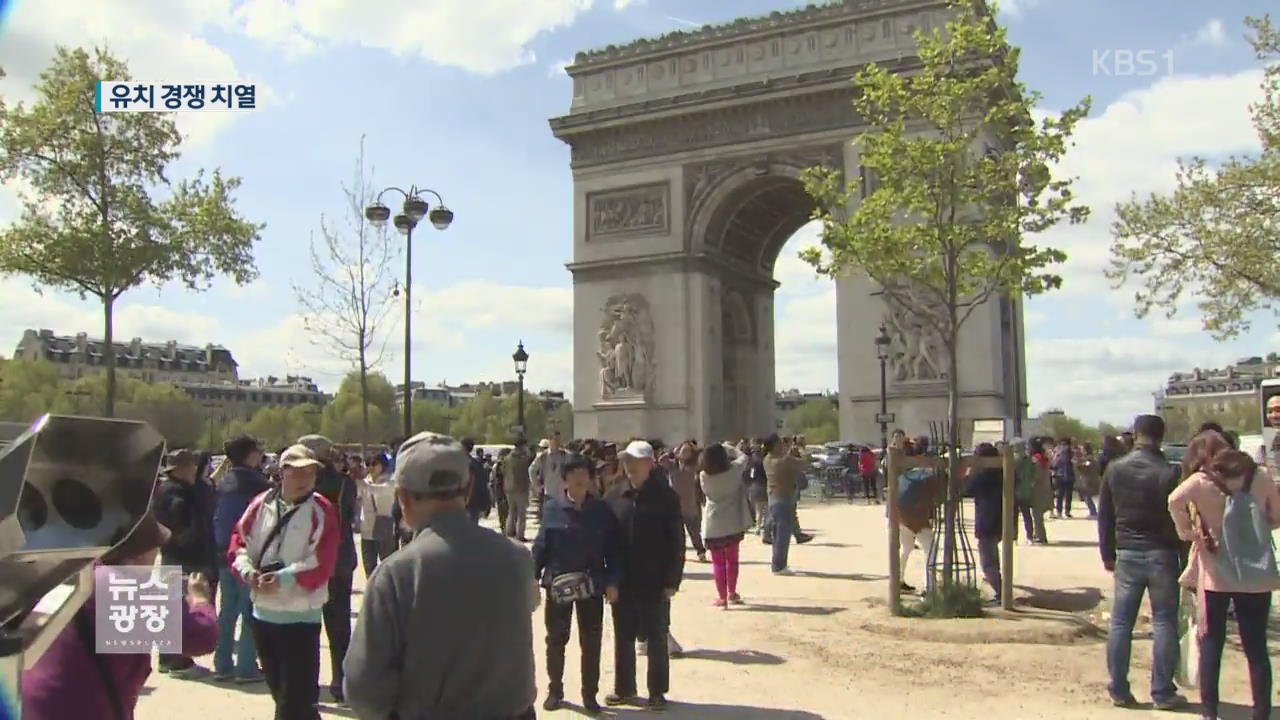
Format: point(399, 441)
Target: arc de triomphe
point(686, 154)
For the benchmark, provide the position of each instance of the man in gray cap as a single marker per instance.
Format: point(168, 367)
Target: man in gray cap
point(446, 629)
point(339, 490)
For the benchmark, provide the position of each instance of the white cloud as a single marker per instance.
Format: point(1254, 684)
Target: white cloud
point(805, 341)
point(621, 5)
point(1133, 146)
point(1015, 8)
point(482, 36)
point(556, 70)
point(1212, 33)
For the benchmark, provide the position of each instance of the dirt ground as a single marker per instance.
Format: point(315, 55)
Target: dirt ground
point(820, 644)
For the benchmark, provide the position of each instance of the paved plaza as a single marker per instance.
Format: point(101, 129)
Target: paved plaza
point(820, 644)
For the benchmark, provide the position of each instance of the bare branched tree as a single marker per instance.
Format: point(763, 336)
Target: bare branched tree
point(347, 303)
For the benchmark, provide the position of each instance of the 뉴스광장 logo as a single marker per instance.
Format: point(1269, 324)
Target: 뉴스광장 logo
point(138, 608)
point(136, 96)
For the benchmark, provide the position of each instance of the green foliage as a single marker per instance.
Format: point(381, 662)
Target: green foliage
point(488, 419)
point(429, 416)
point(344, 417)
point(817, 420)
point(28, 389)
point(31, 389)
point(1059, 426)
point(1183, 420)
point(953, 600)
point(277, 426)
point(92, 225)
point(1218, 234)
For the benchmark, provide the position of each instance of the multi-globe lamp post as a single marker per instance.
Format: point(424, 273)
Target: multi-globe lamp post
point(413, 211)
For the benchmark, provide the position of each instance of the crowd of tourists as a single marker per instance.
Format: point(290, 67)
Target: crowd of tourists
point(614, 524)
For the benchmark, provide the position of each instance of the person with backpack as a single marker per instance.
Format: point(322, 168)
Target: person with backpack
point(1232, 563)
point(918, 492)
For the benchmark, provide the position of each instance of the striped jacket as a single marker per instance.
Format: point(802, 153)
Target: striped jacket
point(307, 547)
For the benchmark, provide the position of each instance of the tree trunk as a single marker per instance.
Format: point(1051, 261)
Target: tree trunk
point(364, 400)
point(953, 459)
point(109, 355)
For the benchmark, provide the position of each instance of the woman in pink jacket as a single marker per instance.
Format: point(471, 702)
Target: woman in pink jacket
point(1197, 507)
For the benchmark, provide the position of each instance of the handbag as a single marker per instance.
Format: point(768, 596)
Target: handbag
point(1189, 644)
point(569, 587)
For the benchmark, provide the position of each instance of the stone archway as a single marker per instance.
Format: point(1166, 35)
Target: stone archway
point(686, 153)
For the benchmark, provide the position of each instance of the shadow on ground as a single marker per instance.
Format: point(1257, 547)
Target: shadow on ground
point(734, 657)
point(794, 609)
point(703, 711)
point(855, 577)
point(1072, 600)
point(1070, 543)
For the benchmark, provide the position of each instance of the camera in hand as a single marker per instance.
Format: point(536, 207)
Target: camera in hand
point(271, 568)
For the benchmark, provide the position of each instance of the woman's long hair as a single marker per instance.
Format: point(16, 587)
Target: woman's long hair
point(1230, 464)
point(715, 459)
point(1203, 449)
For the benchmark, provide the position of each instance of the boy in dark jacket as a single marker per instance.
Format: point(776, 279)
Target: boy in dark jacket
point(579, 549)
point(653, 556)
point(242, 483)
point(986, 487)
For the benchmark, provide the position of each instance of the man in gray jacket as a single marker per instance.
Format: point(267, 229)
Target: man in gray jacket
point(446, 629)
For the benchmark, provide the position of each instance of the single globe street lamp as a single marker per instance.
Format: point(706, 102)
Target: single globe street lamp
point(882, 353)
point(521, 359)
point(412, 213)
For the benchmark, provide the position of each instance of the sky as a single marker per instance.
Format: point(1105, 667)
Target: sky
point(455, 95)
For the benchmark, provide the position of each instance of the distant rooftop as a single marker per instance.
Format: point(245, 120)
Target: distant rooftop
point(133, 349)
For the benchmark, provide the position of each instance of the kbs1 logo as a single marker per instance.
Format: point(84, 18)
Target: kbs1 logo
point(1132, 63)
point(130, 96)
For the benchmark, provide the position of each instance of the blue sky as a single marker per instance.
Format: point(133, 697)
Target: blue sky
point(455, 95)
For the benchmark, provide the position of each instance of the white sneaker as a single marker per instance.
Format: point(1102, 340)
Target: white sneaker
point(784, 571)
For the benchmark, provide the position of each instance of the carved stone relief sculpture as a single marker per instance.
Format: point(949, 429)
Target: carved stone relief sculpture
point(639, 209)
point(626, 352)
point(916, 352)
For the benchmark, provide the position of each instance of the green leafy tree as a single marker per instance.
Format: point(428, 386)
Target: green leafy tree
point(489, 419)
point(429, 416)
point(278, 426)
point(1182, 421)
point(28, 389)
point(93, 224)
point(347, 302)
point(561, 418)
point(1218, 234)
point(961, 172)
point(167, 408)
point(361, 396)
point(817, 420)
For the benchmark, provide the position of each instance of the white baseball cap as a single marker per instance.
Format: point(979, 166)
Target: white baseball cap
point(639, 449)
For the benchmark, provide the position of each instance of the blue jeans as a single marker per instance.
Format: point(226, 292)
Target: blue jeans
point(236, 605)
point(782, 514)
point(1156, 572)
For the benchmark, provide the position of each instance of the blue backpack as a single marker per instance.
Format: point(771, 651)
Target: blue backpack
point(911, 485)
point(1246, 554)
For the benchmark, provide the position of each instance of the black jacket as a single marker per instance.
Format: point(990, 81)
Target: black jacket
point(182, 508)
point(572, 540)
point(986, 487)
point(652, 536)
point(1133, 510)
point(479, 501)
point(236, 490)
point(341, 491)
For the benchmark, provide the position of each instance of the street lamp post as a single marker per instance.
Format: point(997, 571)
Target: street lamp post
point(521, 359)
point(415, 208)
point(882, 353)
